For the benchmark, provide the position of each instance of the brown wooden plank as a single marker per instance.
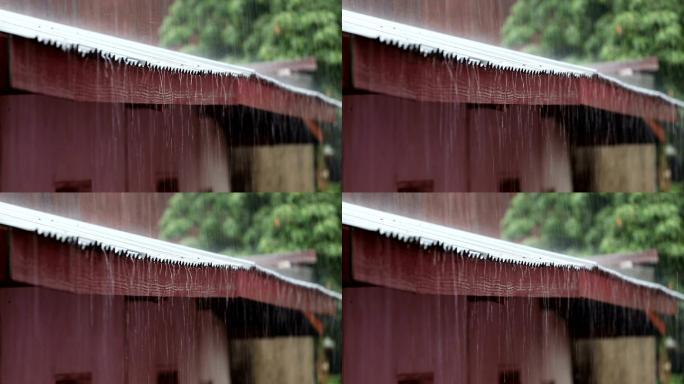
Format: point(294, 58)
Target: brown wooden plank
point(346, 63)
point(5, 249)
point(395, 264)
point(346, 256)
point(377, 67)
point(656, 129)
point(52, 264)
point(4, 63)
point(46, 70)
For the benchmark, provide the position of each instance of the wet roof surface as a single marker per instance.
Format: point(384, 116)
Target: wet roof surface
point(468, 244)
point(124, 244)
point(129, 52)
point(470, 52)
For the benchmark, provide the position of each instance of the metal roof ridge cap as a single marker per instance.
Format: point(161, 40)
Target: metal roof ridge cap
point(593, 265)
point(642, 90)
point(248, 264)
point(469, 236)
point(472, 43)
point(640, 282)
point(112, 232)
point(327, 99)
point(301, 283)
point(564, 67)
point(59, 31)
point(213, 66)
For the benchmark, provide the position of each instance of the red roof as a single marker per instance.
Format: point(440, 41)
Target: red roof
point(58, 60)
point(398, 252)
point(59, 253)
point(404, 61)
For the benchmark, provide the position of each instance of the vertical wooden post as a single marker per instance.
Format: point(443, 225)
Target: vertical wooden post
point(5, 250)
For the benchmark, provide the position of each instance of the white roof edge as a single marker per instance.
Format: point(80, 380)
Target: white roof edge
point(132, 53)
point(460, 242)
point(474, 53)
point(134, 246)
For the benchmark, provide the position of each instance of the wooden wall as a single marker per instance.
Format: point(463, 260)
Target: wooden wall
point(113, 147)
point(451, 147)
point(454, 339)
point(46, 333)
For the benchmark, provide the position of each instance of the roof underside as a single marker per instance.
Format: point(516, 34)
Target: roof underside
point(119, 246)
point(616, 259)
point(479, 55)
point(481, 248)
point(112, 50)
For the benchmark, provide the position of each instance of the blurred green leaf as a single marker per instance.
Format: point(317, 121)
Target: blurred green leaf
point(261, 30)
point(593, 224)
point(257, 223)
point(603, 30)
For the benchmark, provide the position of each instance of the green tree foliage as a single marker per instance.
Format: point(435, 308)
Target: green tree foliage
point(595, 30)
point(257, 223)
point(592, 224)
point(260, 30)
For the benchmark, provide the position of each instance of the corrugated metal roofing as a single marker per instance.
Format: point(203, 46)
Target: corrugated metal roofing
point(129, 52)
point(124, 244)
point(473, 53)
point(468, 244)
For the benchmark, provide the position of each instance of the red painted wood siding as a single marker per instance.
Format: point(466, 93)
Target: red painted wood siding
point(394, 264)
point(115, 147)
point(48, 263)
point(377, 67)
point(4, 255)
point(115, 339)
point(41, 69)
point(388, 332)
point(460, 148)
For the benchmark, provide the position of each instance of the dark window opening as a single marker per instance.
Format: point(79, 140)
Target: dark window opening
point(415, 378)
point(168, 377)
point(167, 184)
point(73, 378)
point(416, 186)
point(74, 186)
point(490, 299)
point(152, 107)
point(509, 185)
point(142, 299)
point(492, 107)
point(241, 179)
point(509, 377)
